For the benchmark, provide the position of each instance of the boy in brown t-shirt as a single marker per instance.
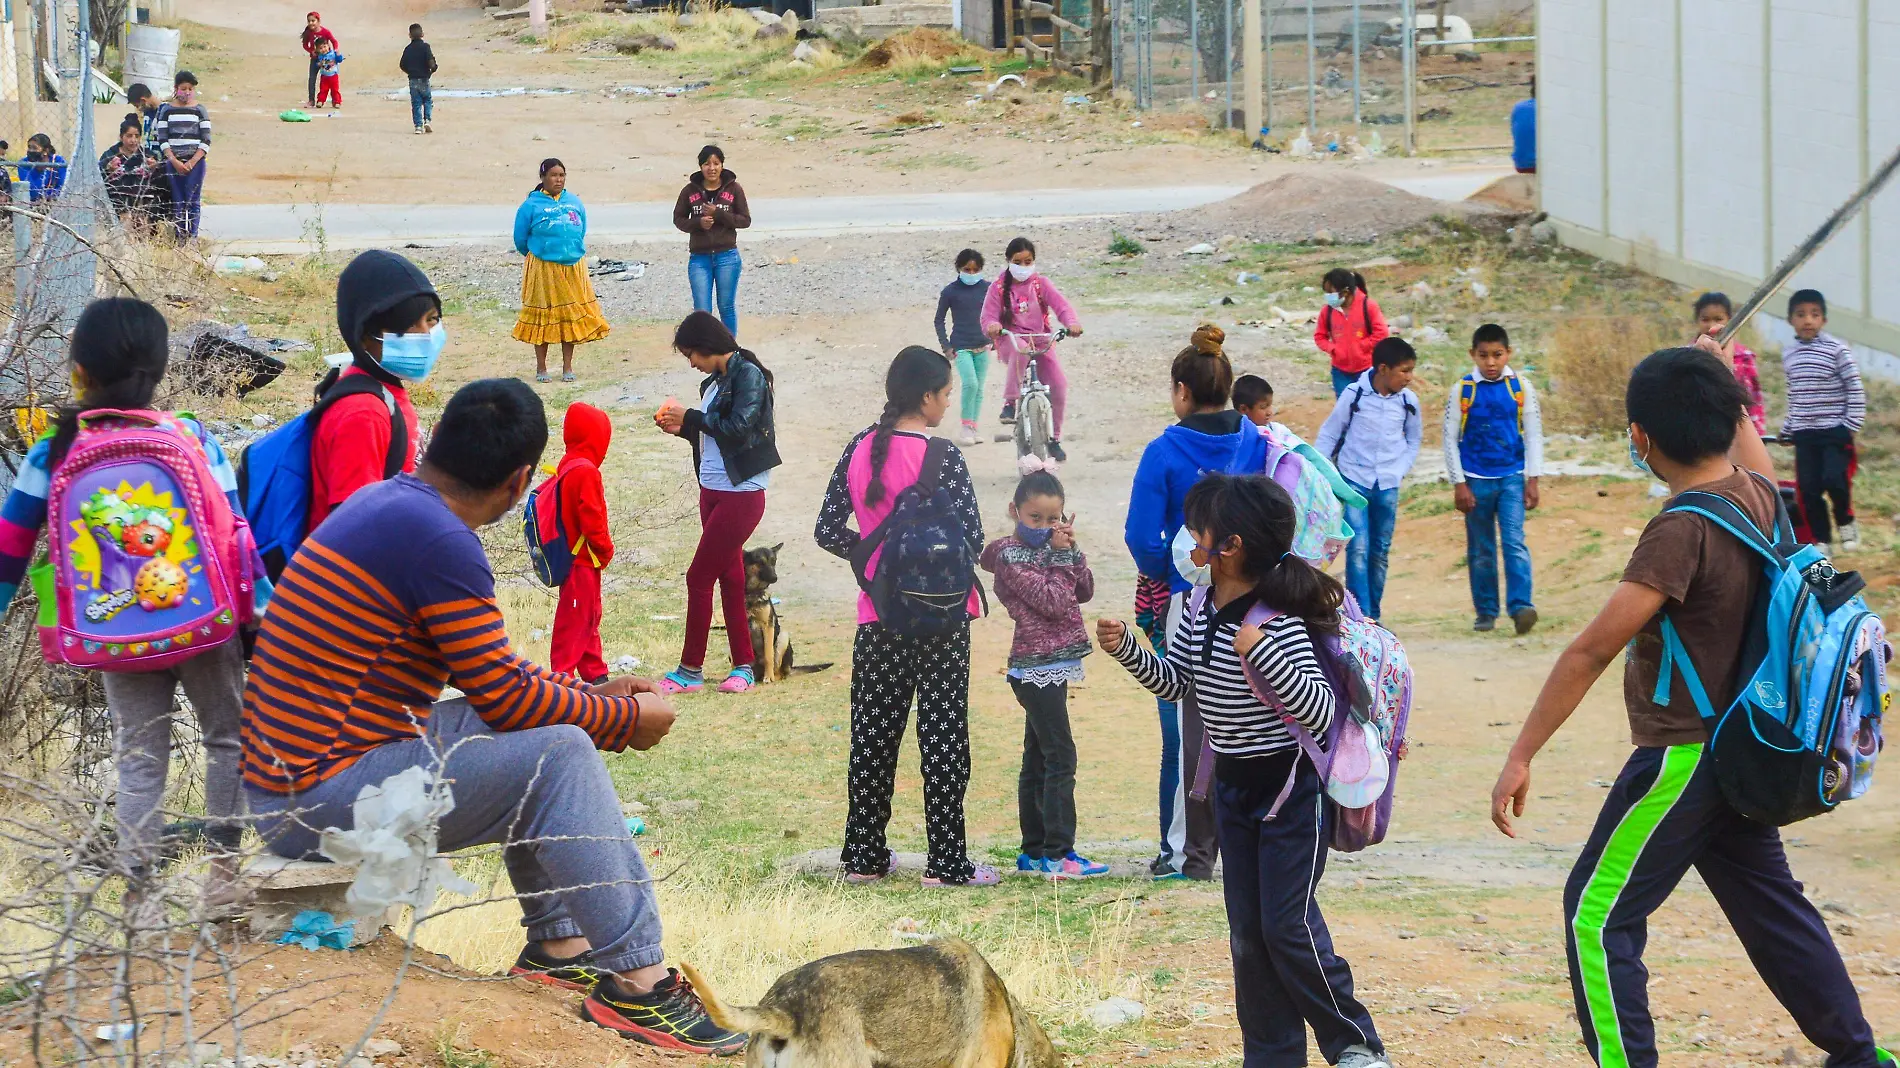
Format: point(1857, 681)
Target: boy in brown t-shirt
point(1666, 813)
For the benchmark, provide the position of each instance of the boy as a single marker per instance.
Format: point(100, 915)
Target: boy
point(575, 648)
point(1253, 398)
point(1826, 407)
point(1494, 452)
point(1666, 812)
point(330, 79)
point(1372, 437)
point(183, 129)
point(418, 62)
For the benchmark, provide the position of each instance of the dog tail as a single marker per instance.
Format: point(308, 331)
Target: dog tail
point(751, 1019)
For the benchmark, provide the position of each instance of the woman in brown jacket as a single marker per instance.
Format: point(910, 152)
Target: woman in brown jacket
point(711, 211)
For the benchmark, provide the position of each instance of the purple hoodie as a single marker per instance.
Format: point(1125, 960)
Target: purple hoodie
point(1043, 590)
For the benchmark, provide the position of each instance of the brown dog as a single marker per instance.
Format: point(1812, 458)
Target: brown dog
point(932, 1006)
point(771, 646)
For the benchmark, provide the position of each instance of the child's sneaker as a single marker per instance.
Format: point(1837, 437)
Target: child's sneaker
point(568, 973)
point(1029, 865)
point(671, 1016)
point(418, 131)
point(1056, 453)
point(428, 127)
point(970, 436)
point(1076, 867)
point(1361, 1057)
point(740, 681)
point(1850, 537)
point(1484, 624)
point(1162, 870)
point(677, 681)
point(1525, 619)
point(1009, 412)
point(984, 875)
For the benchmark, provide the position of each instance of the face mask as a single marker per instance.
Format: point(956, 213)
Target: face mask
point(1034, 537)
point(1022, 272)
point(1335, 300)
point(1183, 549)
point(970, 279)
point(1636, 460)
point(412, 356)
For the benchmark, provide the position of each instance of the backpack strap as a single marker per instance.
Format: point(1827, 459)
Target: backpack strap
point(1723, 513)
point(1512, 383)
point(1352, 413)
point(1467, 396)
point(930, 475)
point(332, 391)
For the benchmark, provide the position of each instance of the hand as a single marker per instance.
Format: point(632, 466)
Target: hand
point(1246, 638)
point(1708, 344)
point(656, 721)
point(1462, 498)
point(671, 420)
point(1530, 493)
point(1109, 634)
point(1076, 330)
point(1510, 794)
point(994, 330)
point(1062, 535)
point(706, 221)
point(625, 686)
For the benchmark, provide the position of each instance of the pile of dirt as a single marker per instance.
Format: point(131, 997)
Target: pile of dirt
point(922, 44)
point(1298, 206)
point(1515, 193)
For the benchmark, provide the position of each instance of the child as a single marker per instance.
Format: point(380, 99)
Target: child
point(887, 668)
point(418, 62)
point(1253, 398)
point(1494, 452)
point(965, 343)
point(1349, 326)
point(1023, 302)
point(1286, 975)
point(1712, 313)
point(1042, 578)
point(1372, 437)
point(43, 182)
point(582, 500)
point(1826, 407)
point(184, 137)
point(119, 348)
point(1666, 813)
point(329, 80)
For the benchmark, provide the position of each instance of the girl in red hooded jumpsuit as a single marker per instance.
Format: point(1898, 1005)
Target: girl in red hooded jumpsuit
point(583, 503)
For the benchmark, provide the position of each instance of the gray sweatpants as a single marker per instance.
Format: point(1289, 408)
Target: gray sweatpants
point(544, 793)
point(141, 706)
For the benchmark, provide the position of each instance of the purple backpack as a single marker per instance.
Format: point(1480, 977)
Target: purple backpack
point(148, 563)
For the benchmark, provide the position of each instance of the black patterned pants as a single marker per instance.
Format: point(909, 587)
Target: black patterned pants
point(887, 670)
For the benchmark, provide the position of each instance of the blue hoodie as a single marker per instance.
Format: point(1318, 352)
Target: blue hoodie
point(1219, 442)
point(551, 230)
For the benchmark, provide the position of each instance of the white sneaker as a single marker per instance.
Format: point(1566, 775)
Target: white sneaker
point(970, 437)
point(1361, 1057)
point(1850, 537)
point(428, 127)
point(418, 131)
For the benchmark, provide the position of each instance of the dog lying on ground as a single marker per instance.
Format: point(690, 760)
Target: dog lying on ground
point(771, 646)
point(938, 1005)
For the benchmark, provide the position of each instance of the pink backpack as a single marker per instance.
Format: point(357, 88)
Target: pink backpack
point(149, 564)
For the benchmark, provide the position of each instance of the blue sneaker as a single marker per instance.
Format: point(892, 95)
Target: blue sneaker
point(1076, 867)
point(1028, 864)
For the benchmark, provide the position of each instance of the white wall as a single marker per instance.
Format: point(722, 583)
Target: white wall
point(1703, 139)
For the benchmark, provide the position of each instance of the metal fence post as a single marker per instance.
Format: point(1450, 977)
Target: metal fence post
point(1408, 10)
point(1227, 61)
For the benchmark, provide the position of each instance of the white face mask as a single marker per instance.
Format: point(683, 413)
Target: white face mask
point(1022, 272)
point(1183, 548)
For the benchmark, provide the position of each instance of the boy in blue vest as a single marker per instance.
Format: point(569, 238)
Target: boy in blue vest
point(1494, 452)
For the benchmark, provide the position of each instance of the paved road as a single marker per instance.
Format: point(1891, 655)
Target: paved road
point(290, 228)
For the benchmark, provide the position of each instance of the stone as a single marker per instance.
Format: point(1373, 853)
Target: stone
point(1202, 249)
point(1543, 233)
point(771, 32)
point(360, 1062)
point(1402, 322)
point(1422, 290)
point(763, 16)
point(1114, 1012)
point(382, 1047)
point(1480, 290)
point(686, 20)
point(1323, 236)
point(790, 21)
point(807, 51)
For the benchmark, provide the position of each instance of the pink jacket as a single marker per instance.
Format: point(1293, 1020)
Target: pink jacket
point(1348, 334)
point(1032, 303)
point(1043, 590)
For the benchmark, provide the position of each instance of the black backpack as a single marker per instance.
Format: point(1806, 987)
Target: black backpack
point(925, 574)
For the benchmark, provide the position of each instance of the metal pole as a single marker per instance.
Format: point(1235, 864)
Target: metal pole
point(1250, 68)
point(1312, 76)
point(1194, 49)
point(538, 17)
point(1409, 32)
point(1355, 62)
point(1267, 44)
point(1227, 63)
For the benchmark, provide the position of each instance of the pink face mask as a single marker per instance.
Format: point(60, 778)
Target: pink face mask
point(184, 94)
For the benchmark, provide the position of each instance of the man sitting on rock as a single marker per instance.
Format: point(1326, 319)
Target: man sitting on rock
point(389, 601)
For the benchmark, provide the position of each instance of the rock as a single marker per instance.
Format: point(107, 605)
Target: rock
point(1225, 257)
point(686, 20)
point(790, 21)
point(1422, 290)
point(679, 808)
point(633, 808)
point(382, 1047)
point(1202, 249)
point(807, 51)
point(644, 42)
point(1114, 1012)
point(1543, 233)
point(206, 1052)
point(1226, 241)
point(360, 1062)
point(539, 135)
point(771, 32)
point(1402, 322)
point(1790, 1056)
point(1408, 934)
point(1323, 236)
point(1480, 290)
point(763, 16)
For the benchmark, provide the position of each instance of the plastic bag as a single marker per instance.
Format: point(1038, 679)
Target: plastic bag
point(393, 844)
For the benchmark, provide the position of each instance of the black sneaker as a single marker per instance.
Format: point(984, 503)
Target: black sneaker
point(1482, 624)
point(1009, 412)
point(671, 1017)
point(568, 973)
point(1525, 619)
point(1056, 453)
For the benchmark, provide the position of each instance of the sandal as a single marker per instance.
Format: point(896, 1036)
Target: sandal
point(543, 376)
point(673, 682)
point(984, 875)
point(569, 376)
point(861, 879)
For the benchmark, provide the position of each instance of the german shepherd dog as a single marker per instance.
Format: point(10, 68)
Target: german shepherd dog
point(932, 1006)
point(771, 646)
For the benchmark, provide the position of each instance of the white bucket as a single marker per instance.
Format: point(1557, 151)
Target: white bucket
point(151, 56)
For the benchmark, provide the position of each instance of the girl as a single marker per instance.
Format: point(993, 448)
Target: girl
point(1209, 437)
point(130, 171)
point(1348, 326)
point(1285, 971)
point(44, 182)
point(1043, 578)
point(557, 297)
point(734, 449)
point(887, 668)
point(579, 507)
point(1024, 302)
point(119, 350)
point(711, 211)
point(1712, 313)
point(316, 40)
point(965, 343)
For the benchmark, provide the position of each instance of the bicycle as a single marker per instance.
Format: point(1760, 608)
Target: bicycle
point(1035, 423)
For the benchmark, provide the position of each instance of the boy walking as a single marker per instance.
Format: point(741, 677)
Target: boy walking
point(574, 647)
point(1826, 408)
point(1666, 813)
point(418, 62)
point(1494, 453)
point(1373, 437)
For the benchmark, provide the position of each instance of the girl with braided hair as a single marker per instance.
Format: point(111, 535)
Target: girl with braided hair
point(889, 669)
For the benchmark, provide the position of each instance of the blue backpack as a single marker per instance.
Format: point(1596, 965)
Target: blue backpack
point(552, 553)
point(274, 471)
point(925, 574)
point(1804, 729)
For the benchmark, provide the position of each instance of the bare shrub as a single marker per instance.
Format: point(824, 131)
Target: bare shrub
point(1590, 359)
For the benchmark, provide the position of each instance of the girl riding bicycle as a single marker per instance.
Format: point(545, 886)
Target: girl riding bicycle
point(1021, 313)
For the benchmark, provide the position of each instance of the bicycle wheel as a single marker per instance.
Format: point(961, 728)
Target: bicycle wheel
point(1035, 421)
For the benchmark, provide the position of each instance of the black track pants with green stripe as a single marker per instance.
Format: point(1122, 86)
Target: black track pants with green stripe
point(1665, 815)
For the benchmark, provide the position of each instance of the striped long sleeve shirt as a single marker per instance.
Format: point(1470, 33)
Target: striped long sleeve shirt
point(1824, 390)
point(391, 600)
point(1201, 661)
point(183, 129)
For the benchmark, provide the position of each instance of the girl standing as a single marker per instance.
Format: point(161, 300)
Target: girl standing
point(1043, 579)
point(130, 171)
point(888, 669)
point(119, 351)
point(557, 297)
point(1286, 975)
point(735, 448)
point(965, 343)
point(1021, 301)
point(1349, 325)
point(316, 40)
point(711, 211)
point(1712, 313)
point(46, 180)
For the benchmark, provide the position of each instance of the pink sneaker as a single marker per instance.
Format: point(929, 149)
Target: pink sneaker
point(984, 875)
point(740, 681)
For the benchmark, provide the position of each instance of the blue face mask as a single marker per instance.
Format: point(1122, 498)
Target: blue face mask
point(970, 279)
point(411, 357)
point(1034, 537)
point(1334, 300)
point(1636, 460)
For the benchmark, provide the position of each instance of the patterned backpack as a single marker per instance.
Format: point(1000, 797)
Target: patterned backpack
point(147, 564)
point(924, 568)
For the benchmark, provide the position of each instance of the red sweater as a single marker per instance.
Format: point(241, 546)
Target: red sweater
point(1348, 334)
point(351, 445)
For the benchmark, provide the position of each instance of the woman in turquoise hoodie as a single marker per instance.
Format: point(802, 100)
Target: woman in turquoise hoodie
point(557, 297)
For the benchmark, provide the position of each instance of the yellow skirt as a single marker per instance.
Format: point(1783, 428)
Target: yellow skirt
point(558, 305)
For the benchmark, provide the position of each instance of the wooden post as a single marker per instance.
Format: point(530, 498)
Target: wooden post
point(1440, 28)
point(1101, 41)
point(1009, 28)
point(1250, 67)
point(538, 17)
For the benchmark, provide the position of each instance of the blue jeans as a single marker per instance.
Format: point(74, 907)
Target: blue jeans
point(705, 270)
point(188, 190)
point(1371, 544)
point(421, 101)
point(1499, 511)
point(1342, 379)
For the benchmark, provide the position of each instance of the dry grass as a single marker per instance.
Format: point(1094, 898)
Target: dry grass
point(715, 29)
point(920, 50)
point(1590, 359)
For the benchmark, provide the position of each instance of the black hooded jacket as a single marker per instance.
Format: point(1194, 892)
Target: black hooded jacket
point(373, 283)
point(740, 419)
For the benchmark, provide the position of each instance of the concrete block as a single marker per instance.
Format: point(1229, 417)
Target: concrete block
point(279, 889)
point(886, 19)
